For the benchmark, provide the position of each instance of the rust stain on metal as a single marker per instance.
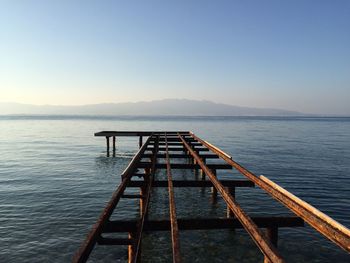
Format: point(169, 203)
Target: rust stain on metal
point(172, 209)
point(330, 228)
point(167, 145)
point(258, 236)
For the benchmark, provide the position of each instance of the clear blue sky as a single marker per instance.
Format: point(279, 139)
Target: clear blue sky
point(286, 54)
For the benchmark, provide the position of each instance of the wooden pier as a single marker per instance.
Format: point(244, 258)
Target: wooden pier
point(194, 151)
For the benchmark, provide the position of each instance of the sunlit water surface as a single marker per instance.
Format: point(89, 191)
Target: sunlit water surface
point(55, 179)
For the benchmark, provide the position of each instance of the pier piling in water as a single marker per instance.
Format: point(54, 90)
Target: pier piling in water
point(175, 145)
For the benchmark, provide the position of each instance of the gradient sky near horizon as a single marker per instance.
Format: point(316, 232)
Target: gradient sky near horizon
point(293, 55)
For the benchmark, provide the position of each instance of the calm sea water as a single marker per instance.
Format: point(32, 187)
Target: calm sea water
point(55, 179)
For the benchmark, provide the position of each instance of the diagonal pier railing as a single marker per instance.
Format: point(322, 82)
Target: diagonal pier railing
point(186, 146)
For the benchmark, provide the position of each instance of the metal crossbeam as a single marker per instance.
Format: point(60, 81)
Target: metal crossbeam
point(327, 226)
point(135, 253)
point(265, 245)
point(194, 183)
point(84, 251)
point(203, 223)
point(190, 166)
point(165, 145)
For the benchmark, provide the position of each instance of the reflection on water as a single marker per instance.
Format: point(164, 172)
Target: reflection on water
point(55, 180)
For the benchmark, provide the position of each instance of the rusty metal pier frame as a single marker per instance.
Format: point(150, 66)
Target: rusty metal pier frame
point(186, 145)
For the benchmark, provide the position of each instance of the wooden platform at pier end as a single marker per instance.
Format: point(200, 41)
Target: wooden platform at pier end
point(167, 146)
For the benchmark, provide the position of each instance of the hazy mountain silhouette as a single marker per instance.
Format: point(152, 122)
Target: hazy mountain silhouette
point(158, 107)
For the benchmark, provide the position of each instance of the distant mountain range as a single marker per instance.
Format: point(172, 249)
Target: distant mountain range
point(167, 107)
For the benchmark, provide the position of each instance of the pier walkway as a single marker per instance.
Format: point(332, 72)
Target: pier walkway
point(158, 150)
